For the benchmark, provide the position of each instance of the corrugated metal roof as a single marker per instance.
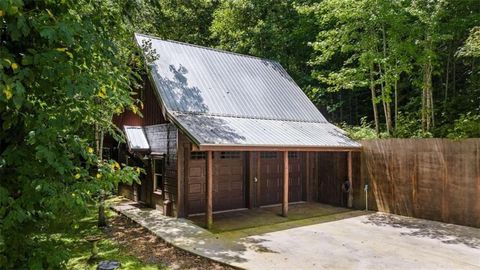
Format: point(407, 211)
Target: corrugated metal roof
point(215, 130)
point(195, 79)
point(136, 138)
point(160, 137)
point(223, 98)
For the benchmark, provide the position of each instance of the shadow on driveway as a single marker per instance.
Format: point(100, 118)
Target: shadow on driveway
point(444, 232)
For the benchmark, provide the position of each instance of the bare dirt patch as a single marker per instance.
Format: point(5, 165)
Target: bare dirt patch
point(139, 242)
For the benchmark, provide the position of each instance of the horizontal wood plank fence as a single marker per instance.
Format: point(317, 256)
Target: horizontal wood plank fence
point(436, 179)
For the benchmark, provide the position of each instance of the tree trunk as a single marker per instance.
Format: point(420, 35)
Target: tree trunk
point(102, 218)
point(386, 110)
point(384, 85)
point(395, 85)
point(100, 149)
point(445, 95)
point(386, 105)
point(374, 104)
point(427, 97)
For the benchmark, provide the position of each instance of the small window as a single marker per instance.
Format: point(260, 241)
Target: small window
point(268, 155)
point(159, 172)
point(197, 155)
point(293, 155)
point(229, 155)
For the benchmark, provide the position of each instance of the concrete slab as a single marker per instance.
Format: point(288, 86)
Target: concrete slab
point(372, 241)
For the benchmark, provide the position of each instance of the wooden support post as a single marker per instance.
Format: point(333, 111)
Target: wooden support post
point(251, 179)
point(258, 191)
point(285, 184)
point(308, 193)
point(350, 172)
point(209, 192)
point(180, 181)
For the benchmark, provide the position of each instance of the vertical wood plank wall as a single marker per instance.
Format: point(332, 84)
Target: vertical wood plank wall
point(435, 179)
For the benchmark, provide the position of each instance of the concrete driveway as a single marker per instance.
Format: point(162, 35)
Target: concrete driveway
point(354, 241)
point(374, 241)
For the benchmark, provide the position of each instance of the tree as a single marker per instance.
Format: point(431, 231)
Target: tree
point(278, 30)
point(368, 41)
point(186, 21)
point(66, 69)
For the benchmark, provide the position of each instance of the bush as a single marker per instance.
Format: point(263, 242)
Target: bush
point(467, 126)
point(362, 132)
point(409, 126)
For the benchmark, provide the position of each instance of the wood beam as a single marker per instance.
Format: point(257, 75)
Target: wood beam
point(258, 192)
point(350, 172)
point(308, 192)
point(180, 180)
point(285, 184)
point(209, 192)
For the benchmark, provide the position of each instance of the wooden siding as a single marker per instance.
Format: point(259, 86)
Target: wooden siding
point(435, 179)
point(151, 111)
point(170, 183)
point(331, 172)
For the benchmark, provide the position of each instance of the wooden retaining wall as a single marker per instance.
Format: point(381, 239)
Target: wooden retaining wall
point(435, 179)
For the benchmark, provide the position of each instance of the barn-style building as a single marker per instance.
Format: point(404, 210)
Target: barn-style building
point(222, 131)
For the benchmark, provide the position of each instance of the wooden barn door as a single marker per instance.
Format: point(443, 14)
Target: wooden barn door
point(271, 177)
point(228, 181)
point(296, 176)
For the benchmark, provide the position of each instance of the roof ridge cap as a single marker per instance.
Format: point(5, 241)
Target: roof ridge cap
point(247, 117)
point(207, 48)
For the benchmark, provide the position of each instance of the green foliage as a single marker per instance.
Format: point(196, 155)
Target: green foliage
point(408, 127)
point(471, 48)
point(398, 56)
point(74, 240)
point(362, 132)
point(278, 30)
point(467, 126)
point(186, 21)
point(65, 69)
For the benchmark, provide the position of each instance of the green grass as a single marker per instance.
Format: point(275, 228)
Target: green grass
point(79, 248)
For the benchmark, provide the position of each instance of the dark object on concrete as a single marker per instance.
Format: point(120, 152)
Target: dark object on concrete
point(108, 265)
point(168, 208)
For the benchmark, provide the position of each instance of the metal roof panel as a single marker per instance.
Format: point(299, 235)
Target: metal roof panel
point(216, 130)
point(136, 138)
point(194, 79)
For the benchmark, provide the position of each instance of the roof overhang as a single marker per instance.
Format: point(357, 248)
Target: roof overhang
point(212, 133)
point(273, 148)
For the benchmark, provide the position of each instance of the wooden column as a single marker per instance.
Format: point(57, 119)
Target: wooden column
point(180, 180)
point(307, 178)
point(251, 179)
point(285, 184)
point(209, 192)
point(258, 191)
point(350, 192)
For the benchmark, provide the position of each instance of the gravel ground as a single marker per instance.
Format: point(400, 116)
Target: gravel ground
point(150, 249)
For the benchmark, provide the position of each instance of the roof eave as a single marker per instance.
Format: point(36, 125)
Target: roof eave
point(276, 148)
